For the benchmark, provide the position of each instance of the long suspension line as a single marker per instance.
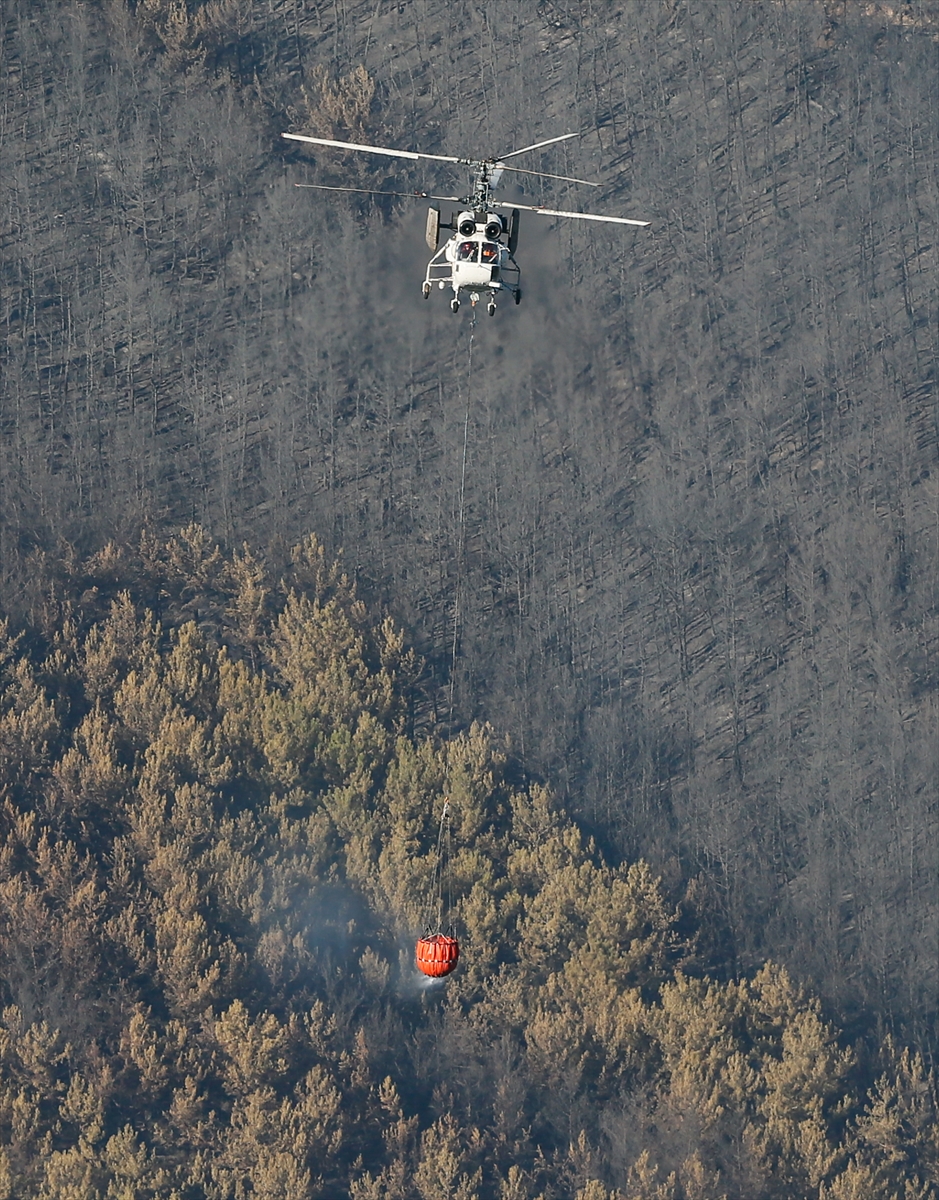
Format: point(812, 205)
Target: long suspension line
point(461, 539)
point(440, 899)
point(441, 895)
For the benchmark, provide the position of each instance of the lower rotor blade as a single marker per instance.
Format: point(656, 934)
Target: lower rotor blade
point(324, 187)
point(577, 216)
point(548, 175)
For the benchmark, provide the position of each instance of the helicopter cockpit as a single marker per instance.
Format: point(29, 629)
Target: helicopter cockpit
point(475, 252)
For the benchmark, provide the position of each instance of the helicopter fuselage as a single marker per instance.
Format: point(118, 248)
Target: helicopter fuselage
point(475, 261)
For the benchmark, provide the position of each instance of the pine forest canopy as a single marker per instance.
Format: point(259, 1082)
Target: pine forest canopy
point(218, 827)
point(691, 570)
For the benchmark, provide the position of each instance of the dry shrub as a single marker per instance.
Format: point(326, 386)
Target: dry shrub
point(337, 109)
point(189, 39)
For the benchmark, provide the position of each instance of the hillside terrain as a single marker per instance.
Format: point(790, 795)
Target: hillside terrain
point(691, 568)
point(219, 825)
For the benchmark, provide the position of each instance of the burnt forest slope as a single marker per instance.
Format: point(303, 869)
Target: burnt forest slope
point(691, 568)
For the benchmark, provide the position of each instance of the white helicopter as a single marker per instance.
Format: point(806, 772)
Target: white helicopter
point(475, 260)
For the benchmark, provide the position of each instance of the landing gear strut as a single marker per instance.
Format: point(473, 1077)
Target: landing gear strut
point(454, 305)
point(491, 308)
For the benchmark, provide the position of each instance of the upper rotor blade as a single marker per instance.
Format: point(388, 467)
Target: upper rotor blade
point(547, 175)
point(577, 216)
point(324, 187)
point(300, 137)
point(537, 145)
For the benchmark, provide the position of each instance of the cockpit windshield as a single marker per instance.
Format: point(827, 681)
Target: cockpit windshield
point(490, 252)
point(468, 252)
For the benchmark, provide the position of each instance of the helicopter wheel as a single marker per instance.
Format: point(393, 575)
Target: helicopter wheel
point(425, 290)
point(491, 309)
point(518, 295)
point(454, 306)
